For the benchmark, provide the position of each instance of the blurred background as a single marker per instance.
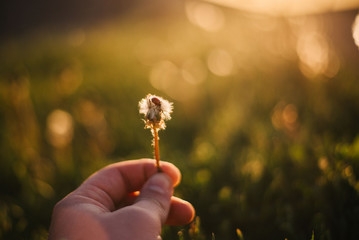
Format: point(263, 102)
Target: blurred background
point(265, 128)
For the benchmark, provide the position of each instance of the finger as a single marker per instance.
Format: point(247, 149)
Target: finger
point(110, 185)
point(181, 212)
point(155, 197)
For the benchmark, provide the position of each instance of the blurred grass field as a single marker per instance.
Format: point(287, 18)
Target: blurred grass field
point(265, 128)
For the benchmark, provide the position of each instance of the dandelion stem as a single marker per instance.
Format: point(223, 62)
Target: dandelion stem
point(157, 148)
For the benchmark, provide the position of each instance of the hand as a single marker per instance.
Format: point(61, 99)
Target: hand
point(108, 206)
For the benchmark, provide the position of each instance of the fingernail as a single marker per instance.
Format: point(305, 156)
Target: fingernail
point(160, 183)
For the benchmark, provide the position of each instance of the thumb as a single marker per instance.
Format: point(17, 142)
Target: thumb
point(143, 220)
point(155, 196)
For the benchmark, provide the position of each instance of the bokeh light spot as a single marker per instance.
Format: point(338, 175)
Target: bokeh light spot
point(355, 30)
point(348, 171)
point(89, 114)
point(285, 117)
point(225, 193)
point(44, 189)
point(203, 176)
point(313, 52)
point(323, 163)
point(204, 15)
point(204, 151)
point(290, 114)
point(254, 168)
point(69, 80)
point(220, 62)
point(59, 128)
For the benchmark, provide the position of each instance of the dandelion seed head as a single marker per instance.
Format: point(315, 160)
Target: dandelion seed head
point(156, 111)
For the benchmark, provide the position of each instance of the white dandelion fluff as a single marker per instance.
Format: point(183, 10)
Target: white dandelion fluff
point(156, 111)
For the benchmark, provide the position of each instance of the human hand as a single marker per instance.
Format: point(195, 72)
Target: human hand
point(108, 206)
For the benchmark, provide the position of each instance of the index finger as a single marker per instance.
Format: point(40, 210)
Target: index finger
point(113, 183)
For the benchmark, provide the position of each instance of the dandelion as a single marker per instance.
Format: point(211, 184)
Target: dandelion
point(156, 111)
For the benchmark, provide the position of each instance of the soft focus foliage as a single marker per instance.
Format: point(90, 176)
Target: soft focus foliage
point(265, 129)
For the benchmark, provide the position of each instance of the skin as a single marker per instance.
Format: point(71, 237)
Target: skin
point(108, 205)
